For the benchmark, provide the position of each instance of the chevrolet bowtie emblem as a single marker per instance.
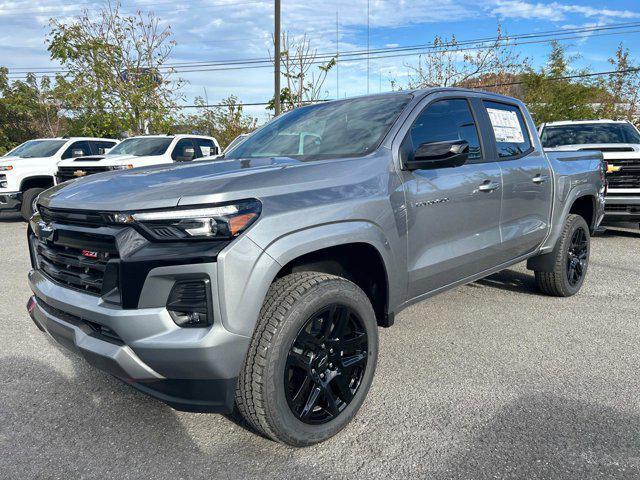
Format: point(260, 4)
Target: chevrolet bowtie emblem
point(79, 173)
point(613, 168)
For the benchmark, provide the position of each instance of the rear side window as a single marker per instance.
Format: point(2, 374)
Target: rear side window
point(77, 149)
point(184, 150)
point(207, 147)
point(447, 120)
point(509, 128)
point(102, 146)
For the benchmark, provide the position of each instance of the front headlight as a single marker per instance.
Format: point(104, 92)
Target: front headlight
point(120, 167)
point(6, 168)
point(214, 222)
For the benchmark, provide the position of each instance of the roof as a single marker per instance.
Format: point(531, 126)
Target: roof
point(66, 139)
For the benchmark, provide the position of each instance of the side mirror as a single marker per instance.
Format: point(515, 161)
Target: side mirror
point(77, 152)
point(431, 155)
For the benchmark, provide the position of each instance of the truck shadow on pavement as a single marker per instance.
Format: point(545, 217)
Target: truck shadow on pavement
point(551, 436)
point(90, 425)
point(510, 280)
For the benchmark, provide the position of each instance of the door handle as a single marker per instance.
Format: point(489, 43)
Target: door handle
point(539, 179)
point(488, 186)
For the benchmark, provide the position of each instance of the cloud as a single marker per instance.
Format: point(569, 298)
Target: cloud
point(554, 11)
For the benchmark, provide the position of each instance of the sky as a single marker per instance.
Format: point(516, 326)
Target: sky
point(222, 30)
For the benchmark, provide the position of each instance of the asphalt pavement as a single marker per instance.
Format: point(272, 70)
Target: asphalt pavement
point(489, 380)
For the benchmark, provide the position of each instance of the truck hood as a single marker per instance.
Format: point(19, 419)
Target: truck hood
point(609, 150)
point(197, 183)
point(102, 160)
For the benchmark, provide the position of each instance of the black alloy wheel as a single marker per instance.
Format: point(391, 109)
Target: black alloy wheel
point(325, 364)
point(577, 256)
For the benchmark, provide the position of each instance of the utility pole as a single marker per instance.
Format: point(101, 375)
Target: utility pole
point(276, 59)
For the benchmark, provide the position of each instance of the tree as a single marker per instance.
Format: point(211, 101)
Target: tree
point(115, 76)
point(224, 123)
point(304, 72)
point(28, 109)
point(449, 64)
point(623, 88)
point(551, 96)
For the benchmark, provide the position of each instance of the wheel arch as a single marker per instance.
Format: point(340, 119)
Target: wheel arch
point(356, 250)
point(37, 181)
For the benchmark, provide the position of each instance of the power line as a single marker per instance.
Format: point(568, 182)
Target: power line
point(475, 44)
point(492, 85)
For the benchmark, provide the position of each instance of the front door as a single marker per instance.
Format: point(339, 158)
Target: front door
point(527, 183)
point(453, 213)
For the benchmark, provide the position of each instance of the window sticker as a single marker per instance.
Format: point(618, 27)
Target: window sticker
point(206, 151)
point(506, 126)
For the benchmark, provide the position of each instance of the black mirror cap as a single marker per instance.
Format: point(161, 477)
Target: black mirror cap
point(432, 155)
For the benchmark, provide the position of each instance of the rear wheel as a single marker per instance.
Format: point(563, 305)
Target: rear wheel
point(311, 360)
point(570, 262)
point(27, 209)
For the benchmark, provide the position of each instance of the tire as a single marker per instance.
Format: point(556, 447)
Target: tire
point(265, 394)
point(561, 282)
point(26, 209)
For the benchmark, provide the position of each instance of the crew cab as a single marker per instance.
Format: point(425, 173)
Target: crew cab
point(259, 280)
point(29, 168)
point(619, 142)
point(140, 151)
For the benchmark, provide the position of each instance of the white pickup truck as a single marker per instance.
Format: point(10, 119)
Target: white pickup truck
point(141, 151)
point(29, 168)
point(619, 142)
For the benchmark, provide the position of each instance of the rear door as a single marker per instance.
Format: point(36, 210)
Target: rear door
point(526, 177)
point(453, 213)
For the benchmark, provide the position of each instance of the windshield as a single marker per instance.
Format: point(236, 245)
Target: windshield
point(37, 148)
point(337, 129)
point(235, 142)
point(142, 147)
point(585, 133)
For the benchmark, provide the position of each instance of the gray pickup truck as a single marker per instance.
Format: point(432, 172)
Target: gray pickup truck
point(258, 281)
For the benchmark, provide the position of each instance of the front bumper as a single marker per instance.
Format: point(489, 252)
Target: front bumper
point(622, 207)
point(192, 369)
point(10, 201)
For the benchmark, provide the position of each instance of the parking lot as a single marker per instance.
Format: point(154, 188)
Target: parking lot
point(490, 380)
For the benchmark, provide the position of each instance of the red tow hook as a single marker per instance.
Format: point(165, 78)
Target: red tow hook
point(31, 304)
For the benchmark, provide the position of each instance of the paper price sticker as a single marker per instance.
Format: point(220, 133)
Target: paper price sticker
point(506, 126)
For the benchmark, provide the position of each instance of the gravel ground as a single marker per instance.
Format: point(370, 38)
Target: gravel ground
point(489, 380)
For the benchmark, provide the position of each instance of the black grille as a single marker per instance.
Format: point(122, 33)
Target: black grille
point(69, 173)
point(78, 268)
point(624, 162)
point(71, 216)
point(624, 180)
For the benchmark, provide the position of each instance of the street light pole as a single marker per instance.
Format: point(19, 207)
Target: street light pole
point(276, 73)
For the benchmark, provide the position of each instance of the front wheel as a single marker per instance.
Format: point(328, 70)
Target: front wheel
point(27, 209)
point(571, 259)
point(311, 361)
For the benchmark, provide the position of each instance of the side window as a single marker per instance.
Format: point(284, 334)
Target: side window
point(207, 147)
point(446, 120)
point(100, 147)
point(77, 149)
point(509, 128)
point(184, 150)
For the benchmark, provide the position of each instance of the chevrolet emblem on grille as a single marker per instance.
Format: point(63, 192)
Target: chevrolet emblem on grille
point(79, 173)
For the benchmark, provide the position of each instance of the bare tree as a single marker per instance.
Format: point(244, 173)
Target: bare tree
point(448, 63)
point(115, 69)
point(303, 70)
